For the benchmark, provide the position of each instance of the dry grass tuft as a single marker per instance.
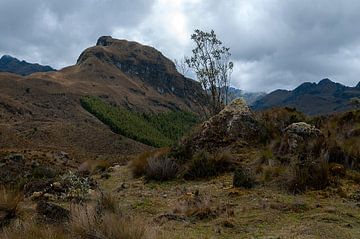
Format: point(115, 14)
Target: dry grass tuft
point(87, 223)
point(9, 205)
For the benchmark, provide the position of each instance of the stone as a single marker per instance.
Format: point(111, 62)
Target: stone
point(234, 123)
point(51, 213)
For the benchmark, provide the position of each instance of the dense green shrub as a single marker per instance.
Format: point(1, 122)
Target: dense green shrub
point(157, 130)
point(243, 178)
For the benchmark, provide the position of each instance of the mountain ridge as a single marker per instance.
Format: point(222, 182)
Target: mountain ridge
point(13, 65)
point(324, 97)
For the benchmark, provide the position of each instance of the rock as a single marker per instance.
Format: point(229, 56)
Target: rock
point(236, 122)
point(49, 196)
point(302, 129)
point(298, 134)
point(51, 213)
point(16, 157)
point(36, 195)
point(57, 185)
point(337, 169)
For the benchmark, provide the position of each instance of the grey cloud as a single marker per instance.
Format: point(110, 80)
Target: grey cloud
point(274, 43)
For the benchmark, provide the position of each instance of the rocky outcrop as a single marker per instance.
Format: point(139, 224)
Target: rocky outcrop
point(144, 63)
point(298, 135)
point(236, 122)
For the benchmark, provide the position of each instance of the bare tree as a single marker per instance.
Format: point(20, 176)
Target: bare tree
point(212, 66)
point(182, 66)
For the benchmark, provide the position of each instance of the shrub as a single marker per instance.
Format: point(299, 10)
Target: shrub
point(204, 165)
point(87, 223)
point(161, 168)
point(308, 174)
point(9, 205)
point(77, 187)
point(41, 172)
point(107, 202)
point(243, 178)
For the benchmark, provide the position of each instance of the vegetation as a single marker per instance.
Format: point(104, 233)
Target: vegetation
point(243, 178)
point(158, 130)
point(210, 61)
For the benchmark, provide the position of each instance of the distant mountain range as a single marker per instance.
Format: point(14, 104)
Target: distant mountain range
point(13, 65)
point(313, 99)
point(249, 97)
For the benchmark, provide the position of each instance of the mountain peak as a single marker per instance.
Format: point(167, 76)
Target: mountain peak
point(358, 85)
point(326, 81)
point(104, 41)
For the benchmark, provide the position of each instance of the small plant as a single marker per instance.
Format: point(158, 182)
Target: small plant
point(243, 178)
point(78, 187)
point(308, 174)
point(9, 205)
point(204, 165)
point(161, 168)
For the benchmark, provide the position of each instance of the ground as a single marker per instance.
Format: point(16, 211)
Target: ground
point(261, 212)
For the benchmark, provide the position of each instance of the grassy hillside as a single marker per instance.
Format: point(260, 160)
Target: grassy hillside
point(157, 130)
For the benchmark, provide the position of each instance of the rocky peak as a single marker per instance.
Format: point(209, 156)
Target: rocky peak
point(104, 41)
point(139, 62)
point(358, 85)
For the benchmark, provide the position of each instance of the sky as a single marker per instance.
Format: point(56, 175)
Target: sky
point(274, 43)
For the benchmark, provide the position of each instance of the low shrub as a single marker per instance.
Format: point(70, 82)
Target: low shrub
point(77, 187)
point(86, 223)
point(308, 174)
point(205, 165)
point(243, 178)
point(9, 205)
point(161, 168)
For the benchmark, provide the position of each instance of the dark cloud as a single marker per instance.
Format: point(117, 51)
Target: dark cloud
point(274, 43)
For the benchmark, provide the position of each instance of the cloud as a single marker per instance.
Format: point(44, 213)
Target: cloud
point(274, 43)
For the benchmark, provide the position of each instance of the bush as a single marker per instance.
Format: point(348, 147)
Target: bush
point(204, 165)
point(161, 169)
point(243, 178)
point(87, 223)
point(9, 205)
point(77, 187)
point(308, 174)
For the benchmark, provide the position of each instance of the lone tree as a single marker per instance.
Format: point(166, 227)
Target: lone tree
point(212, 66)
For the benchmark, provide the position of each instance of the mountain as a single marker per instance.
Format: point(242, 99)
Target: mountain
point(313, 99)
point(249, 97)
point(13, 65)
point(43, 110)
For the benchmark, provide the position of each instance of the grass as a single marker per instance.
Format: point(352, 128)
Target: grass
point(158, 130)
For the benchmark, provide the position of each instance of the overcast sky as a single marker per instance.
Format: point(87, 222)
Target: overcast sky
point(274, 43)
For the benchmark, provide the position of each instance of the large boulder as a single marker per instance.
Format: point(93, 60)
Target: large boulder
point(299, 136)
point(236, 122)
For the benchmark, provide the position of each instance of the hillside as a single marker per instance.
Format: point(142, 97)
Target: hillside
point(13, 65)
point(310, 98)
point(43, 110)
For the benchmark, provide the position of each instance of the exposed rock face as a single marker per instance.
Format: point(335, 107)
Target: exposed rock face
point(298, 134)
point(236, 122)
point(13, 65)
point(144, 63)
